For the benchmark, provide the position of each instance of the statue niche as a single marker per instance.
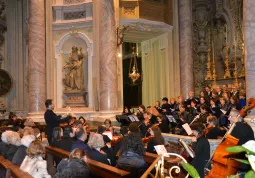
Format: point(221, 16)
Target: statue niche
point(74, 78)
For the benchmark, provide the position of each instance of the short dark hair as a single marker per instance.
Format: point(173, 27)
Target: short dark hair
point(199, 127)
point(48, 102)
point(165, 99)
point(124, 130)
point(204, 107)
point(79, 132)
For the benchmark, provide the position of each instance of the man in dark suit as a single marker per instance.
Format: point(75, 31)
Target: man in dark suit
point(52, 120)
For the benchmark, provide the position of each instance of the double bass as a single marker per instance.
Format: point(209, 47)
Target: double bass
point(223, 165)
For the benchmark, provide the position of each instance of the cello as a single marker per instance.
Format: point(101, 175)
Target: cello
point(223, 165)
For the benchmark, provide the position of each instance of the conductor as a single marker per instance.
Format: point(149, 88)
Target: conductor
point(52, 120)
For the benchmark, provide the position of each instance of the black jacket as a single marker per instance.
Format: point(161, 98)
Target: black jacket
point(97, 156)
point(20, 155)
point(75, 169)
point(65, 144)
point(202, 154)
point(52, 120)
point(214, 133)
point(243, 132)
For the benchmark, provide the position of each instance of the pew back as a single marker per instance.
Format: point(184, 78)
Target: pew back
point(100, 169)
point(12, 170)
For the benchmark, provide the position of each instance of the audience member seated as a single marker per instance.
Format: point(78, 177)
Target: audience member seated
point(74, 167)
point(56, 136)
point(100, 130)
point(201, 147)
point(212, 130)
point(126, 111)
point(157, 139)
point(10, 144)
point(81, 136)
point(95, 143)
point(131, 155)
point(108, 125)
point(124, 132)
point(34, 163)
point(66, 142)
point(26, 140)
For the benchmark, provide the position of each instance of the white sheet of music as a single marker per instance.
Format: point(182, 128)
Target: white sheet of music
point(108, 133)
point(160, 149)
point(187, 128)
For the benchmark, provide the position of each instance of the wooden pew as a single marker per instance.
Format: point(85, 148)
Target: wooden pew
point(12, 170)
point(100, 169)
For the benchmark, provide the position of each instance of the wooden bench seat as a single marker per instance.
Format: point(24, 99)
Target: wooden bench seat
point(100, 169)
point(12, 170)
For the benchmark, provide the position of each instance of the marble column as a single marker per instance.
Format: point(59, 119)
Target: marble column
point(185, 38)
point(36, 56)
point(249, 42)
point(108, 61)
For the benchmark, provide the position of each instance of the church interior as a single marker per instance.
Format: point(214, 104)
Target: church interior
point(127, 88)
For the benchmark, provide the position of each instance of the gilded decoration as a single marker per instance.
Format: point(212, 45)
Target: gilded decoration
point(223, 20)
point(129, 10)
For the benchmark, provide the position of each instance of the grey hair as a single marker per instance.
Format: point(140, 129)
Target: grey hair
point(96, 141)
point(235, 114)
point(11, 137)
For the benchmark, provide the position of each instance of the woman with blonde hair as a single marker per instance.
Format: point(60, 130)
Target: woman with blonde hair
point(157, 139)
point(96, 142)
point(75, 166)
point(33, 162)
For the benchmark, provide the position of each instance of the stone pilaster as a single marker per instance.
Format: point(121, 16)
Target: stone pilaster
point(249, 42)
point(185, 37)
point(36, 56)
point(108, 61)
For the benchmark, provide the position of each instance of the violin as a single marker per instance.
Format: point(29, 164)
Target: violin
point(223, 165)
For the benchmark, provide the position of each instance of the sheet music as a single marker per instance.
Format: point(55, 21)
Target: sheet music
point(160, 149)
point(187, 129)
point(171, 118)
point(131, 118)
point(223, 111)
point(108, 133)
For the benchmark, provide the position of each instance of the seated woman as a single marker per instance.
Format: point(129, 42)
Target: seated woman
point(157, 139)
point(83, 121)
point(75, 166)
point(33, 162)
point(108, 125)
point(126, 111)
point(201, 147)
point(95, 143)
point(163, 124)
point(212, 130)
point(131, 155)
point(10, 144)
point(26, 140)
